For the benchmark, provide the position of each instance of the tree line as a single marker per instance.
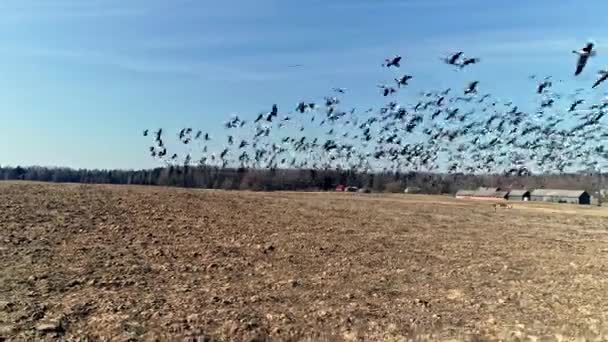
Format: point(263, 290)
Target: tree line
point(298, 179)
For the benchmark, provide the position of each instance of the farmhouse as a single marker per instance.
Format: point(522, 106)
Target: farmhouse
point(518, 195)
point(561, 196)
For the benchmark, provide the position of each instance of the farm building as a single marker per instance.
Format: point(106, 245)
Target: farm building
point(412, 190)
point(483, 188)
point(483, 194)
point(561, 196)
point(465, 193)
point(518, 195)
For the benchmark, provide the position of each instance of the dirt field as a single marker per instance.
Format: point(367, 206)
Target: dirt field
point(145, 263)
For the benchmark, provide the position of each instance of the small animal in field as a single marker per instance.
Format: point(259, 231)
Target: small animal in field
point(502, 205)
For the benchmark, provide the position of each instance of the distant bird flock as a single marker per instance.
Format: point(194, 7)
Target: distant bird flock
point(469, 131)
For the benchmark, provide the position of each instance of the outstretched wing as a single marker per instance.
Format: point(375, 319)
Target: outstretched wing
point(600, 80)
point(580, 65)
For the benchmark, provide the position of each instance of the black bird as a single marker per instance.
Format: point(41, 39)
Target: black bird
point(436, 114)
point(224, 153)
point(339, 90)
point(583, 57)
point(301, 107)
point(453, 59)
point(472, 88)
point(386, 91)
point(395, 61)
point(603, 76)
point(544, 85)
point(469, 61)
point(547, 103)
point(485, 96)
point(513, 110)
point(403, 80)
point(260, 117)
point(575, 104)
point(275, 110)
point(145, 133)
point(451, 114)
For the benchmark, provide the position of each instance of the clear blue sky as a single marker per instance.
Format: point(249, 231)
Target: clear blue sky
point(80, 79)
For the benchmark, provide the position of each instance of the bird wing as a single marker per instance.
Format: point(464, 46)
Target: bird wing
point(600, 80)
point(580, 65)
point(588, 48)
point(454, 57)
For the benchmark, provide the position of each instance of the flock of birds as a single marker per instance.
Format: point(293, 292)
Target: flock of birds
point(443, 130)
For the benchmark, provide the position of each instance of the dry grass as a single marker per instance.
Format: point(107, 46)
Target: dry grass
point(144, 263)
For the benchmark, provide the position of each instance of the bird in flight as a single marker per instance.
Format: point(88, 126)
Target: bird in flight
point(583, 57)
point(472, 88)
point(386, 91)
point(403, 80)
point(544, 85)
point(339, 90)
point(453, 58)
point(575, 104)
point(603, 76)
point(395, 61)
point(469, 61)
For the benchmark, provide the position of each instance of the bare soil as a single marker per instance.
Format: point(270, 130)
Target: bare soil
point(127, 263)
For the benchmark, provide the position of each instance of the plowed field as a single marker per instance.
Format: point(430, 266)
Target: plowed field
point(148, 263)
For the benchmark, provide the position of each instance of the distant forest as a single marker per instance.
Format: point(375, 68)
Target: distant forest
point(296, 179)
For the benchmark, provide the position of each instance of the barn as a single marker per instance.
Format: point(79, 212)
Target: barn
point(561, 196)
point(412, 190)
point(519, 195)
point(482, 194)
point(464, 194)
